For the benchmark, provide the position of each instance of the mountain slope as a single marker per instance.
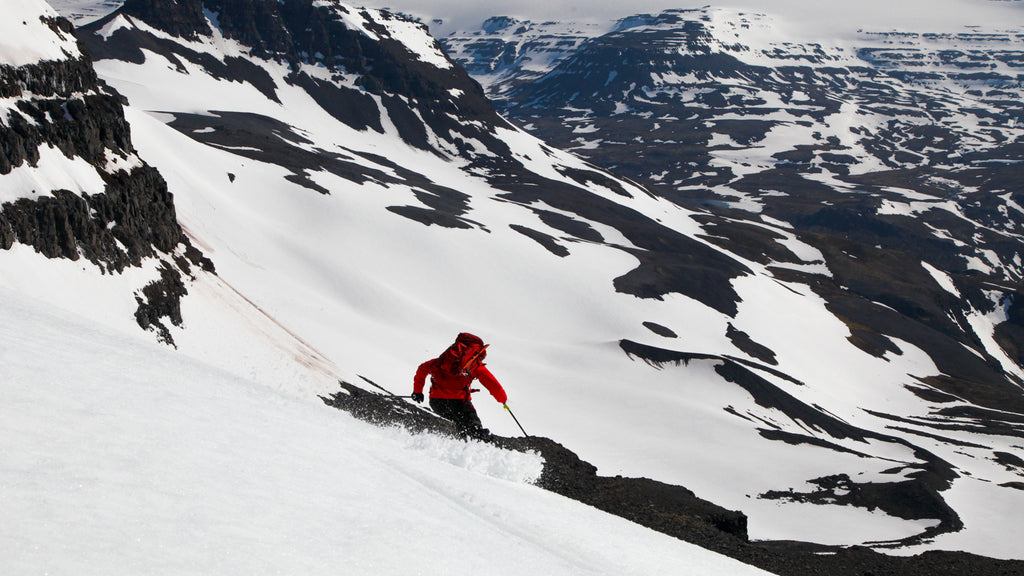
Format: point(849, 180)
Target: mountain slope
point(358, 220)
point(176, 466)
point(879, 153)
point(121, 454)
point(74, 187)
point(541, 209)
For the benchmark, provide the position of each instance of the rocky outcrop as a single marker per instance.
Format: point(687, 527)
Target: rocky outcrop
point(670, 509)
point(62, 106)
point(413, 91)
point(182, 19)
point(674, 510)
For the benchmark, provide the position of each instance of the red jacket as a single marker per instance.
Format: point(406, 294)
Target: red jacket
point(445, 385)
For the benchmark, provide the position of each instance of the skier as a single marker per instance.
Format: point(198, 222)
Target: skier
point(451, 375)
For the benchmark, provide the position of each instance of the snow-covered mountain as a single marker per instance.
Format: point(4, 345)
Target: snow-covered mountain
point(361, 202)
point(893, 157)
point(122, 456)
point(125, 455)
point(74, 186)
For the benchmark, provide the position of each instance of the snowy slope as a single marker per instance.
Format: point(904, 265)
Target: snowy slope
point(344, 285)
point(121, 456)
point(719, 107)
point(557, 335)
point(28, 38)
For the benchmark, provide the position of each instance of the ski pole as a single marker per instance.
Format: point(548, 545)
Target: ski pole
point(509, 410)
point(393, 395)
point(389, 392)
point(378, 386)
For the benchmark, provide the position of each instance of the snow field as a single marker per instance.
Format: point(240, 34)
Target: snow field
point(123, 456)
point(27, 39)
point(53, 171)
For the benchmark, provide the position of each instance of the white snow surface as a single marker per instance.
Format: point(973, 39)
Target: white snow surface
point(122, 456)
point(120, 446)
point(53, 171)
point(26, 39)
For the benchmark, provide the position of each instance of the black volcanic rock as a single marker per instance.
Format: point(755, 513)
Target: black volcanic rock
point(303, 31)
point(678, 512)
point(60, 104)
point(184, 19)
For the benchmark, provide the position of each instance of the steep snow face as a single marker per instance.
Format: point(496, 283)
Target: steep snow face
point(30, 35)
point(356, 228)
point(411, 34)
point(160, 463)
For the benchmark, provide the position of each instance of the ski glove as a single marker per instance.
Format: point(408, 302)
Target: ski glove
point(417, 397)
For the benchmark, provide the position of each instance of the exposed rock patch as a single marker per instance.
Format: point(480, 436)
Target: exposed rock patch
point(676, 511)
point(61, 105)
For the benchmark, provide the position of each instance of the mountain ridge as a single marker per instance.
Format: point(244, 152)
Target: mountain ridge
point(683, 46)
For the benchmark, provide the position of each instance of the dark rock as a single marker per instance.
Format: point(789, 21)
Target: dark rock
point(181, 18)
point(744, 342)
point(676, 511)
point(918, 498)
point(161, 299)
point(660, 330)
point(60, 104)
point(546, 240)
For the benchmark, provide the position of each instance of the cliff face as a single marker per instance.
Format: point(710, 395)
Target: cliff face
point(60, 119)
point(365, 45)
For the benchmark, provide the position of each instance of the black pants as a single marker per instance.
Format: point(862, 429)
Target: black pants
point(462, 414)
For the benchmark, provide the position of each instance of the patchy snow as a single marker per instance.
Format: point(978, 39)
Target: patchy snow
point(53, 171)
point(116, 23)
point(984, 326)
point(942, 279)
point(415, 36)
